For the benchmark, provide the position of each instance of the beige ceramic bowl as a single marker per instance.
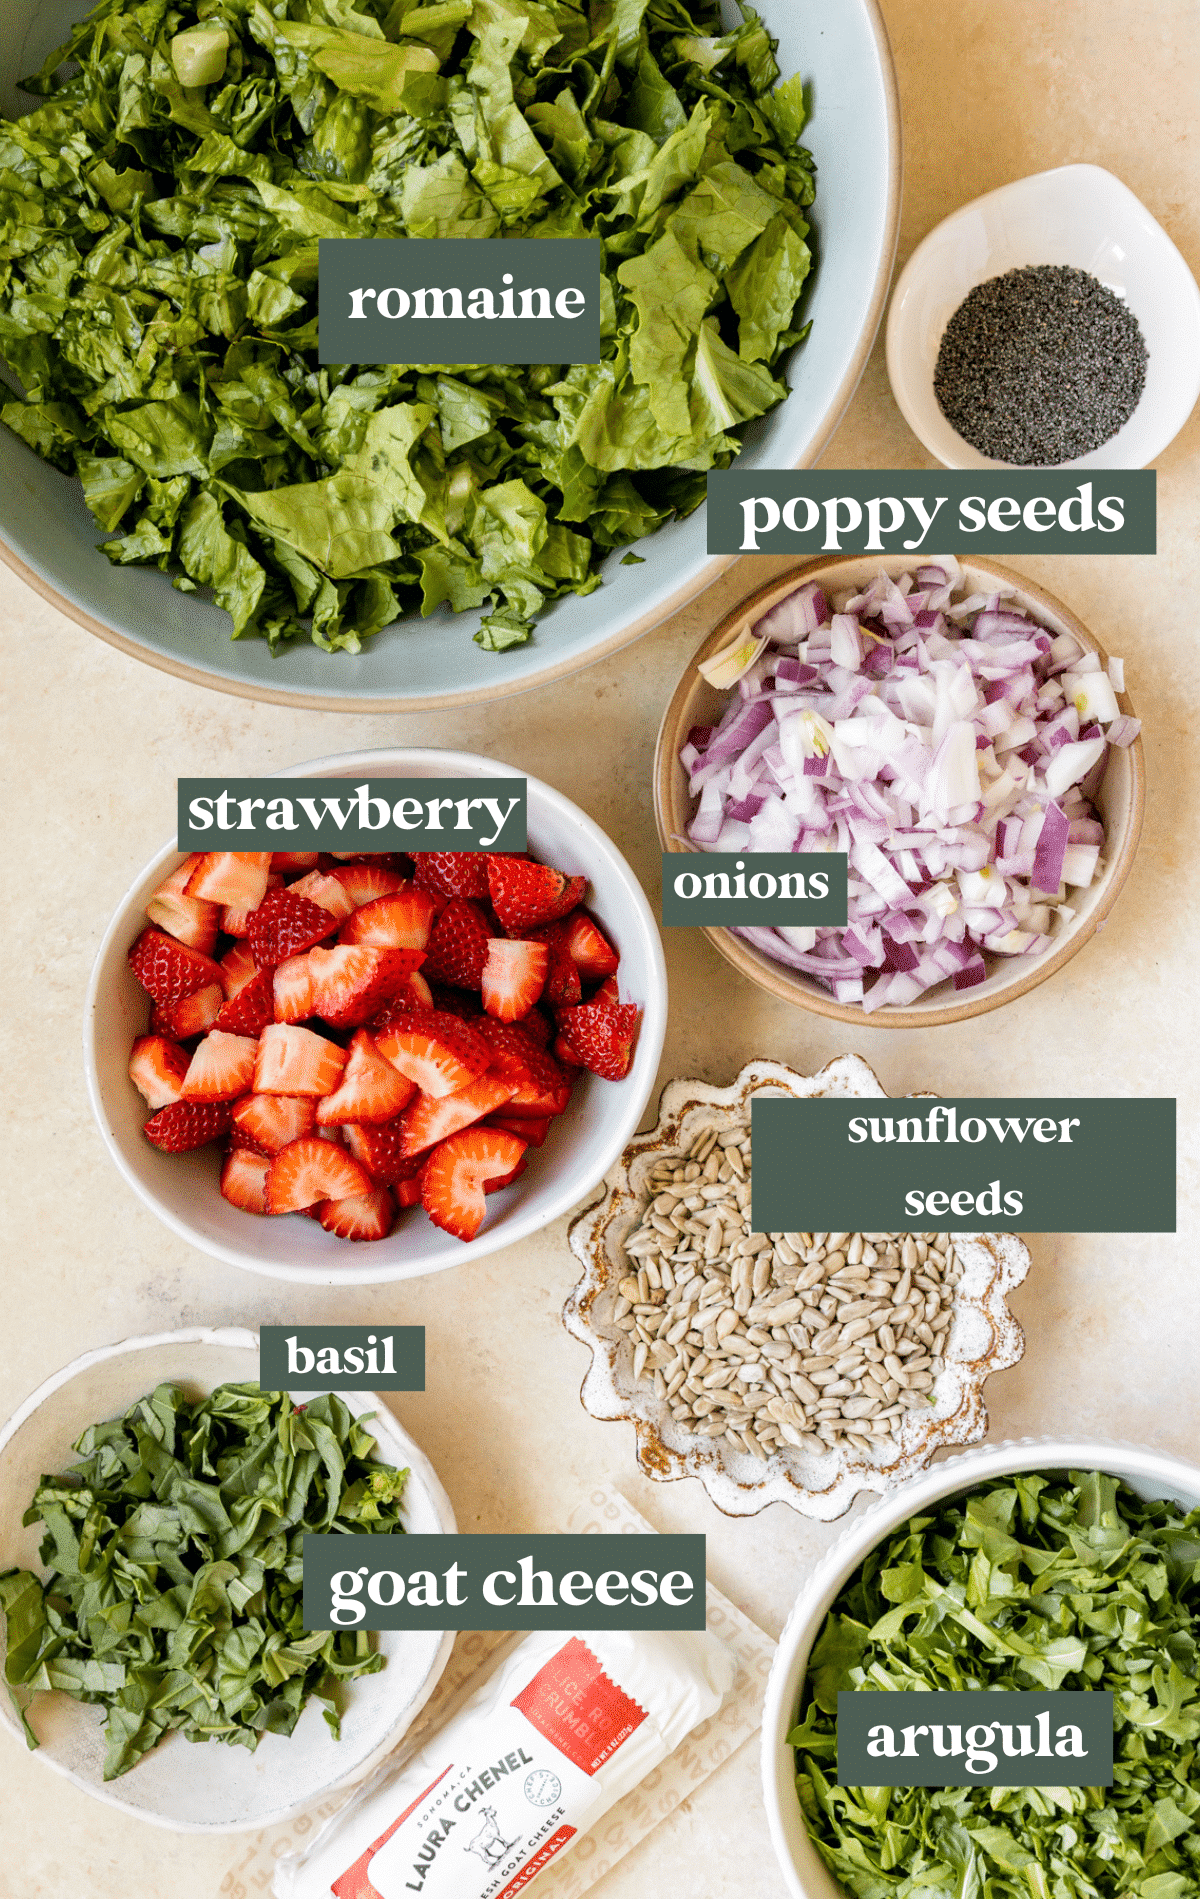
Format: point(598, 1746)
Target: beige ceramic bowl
point(1121, 802)
point(181, 1785)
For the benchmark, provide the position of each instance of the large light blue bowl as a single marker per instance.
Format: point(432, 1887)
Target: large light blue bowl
point(48, 536)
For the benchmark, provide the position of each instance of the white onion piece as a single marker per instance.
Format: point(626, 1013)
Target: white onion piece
point(725, 668)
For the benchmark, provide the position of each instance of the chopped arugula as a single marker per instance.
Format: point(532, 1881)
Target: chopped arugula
point(175, 1592)
point(1028, 1582)
point(158, 277)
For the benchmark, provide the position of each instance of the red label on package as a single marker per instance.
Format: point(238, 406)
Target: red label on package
point(578, 1709)
point(541, 1858)
point(355, 1882)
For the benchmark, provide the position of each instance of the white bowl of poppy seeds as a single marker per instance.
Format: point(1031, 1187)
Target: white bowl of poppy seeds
point(1051, 323)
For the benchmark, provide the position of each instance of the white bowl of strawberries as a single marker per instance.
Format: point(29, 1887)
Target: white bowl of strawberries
point(436, 1055)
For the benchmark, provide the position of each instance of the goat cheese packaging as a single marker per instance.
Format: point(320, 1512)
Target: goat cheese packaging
point(557, 1734)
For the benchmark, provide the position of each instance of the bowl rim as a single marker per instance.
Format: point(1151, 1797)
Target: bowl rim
point(962, 1472)
point(702, 576)
point(504, 1232)
point(241, 1338)
point(776, 978)
point(914, 271)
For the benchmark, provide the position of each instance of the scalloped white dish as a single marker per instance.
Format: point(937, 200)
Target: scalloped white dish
point(984, 1337)
point(179, 1784)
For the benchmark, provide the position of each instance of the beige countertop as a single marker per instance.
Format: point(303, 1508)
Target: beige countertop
point(94, 743)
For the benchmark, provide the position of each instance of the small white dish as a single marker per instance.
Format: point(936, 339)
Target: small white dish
point(1077, 215)
point(210, 1788)
point(182, 1188)
point(985, 1338)
point(1149, 1472)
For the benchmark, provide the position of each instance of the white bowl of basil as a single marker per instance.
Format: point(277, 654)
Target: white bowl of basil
point(157, 317)
point(1116, 1533)
point(174, 1623)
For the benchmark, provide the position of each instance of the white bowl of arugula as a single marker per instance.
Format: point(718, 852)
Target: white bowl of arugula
point(1114, 1535)
point(158, 320)
point(195, 1631)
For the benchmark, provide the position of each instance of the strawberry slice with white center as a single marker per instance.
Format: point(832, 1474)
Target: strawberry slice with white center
point(401, 921)
point(235, 919)
point(418, 992)
point(452, 873)
point(370, 1090)
point(296, 1061)
point(408, 1192)
point(185, 1125)
point(190, 1015)
point(379, 1147)
point(362, 1216)
point(362, 883)
point(534, 1130)
point(157, 1068)
point(601, 1035)
point(563, 986)
point(542, 1087)
point(236, 878)
point(292, 990)
point(249, 1011)
point(608, 991)
point(269, 1122)
point(221, 1069)
point(168, 970)
point(431, 1119)
point(309, 1170)
point(244, 1180)
point(506, 1180)
point(189, 919)
point(320, 887)
point(285, 925)
point(514, 976)
point(588, 947)
point(454, 1178)
point(287, 862)
point(437, 1051)
point(458, 945)
point(524, 893)
point(352, 982)
point(238, 967)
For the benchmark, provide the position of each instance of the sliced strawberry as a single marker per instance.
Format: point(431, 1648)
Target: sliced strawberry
point(437, 1051)
point(362, 1216)
point(464, 1003)
point(608, 991)
point(188, 919)
point(542, 1087)
point(157, 1068)
point(244, 1180)
point(458, 944)
point(589, 948)
point(430, 1120)
point(601, 1035)
point(563, 986)
point(506, 1180)
point(235, 918)
point(285, 925)
point(221, 1069)
point(513, 977)
point(295, 1061)
point(401, 921)
point(408, 1192)
point(183, 1125)
point(454, 1177)
point(320, 887)
point(249, 1011)
point(534, 1130)
point(286, 862)
point(362, 883)
point(269, 1122)
point(378, 1146)
point(452, 873)
point(239, 967)
point(378, 860)
point(538, 1027)
point(190, 1015)
point(309, 1170)
point(352, 982)
point(292, 990)
point(524, 893)
point(564, 1053)
point(419, 991)
point(370, 1089)
point(169, 970)
point(237, 878)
